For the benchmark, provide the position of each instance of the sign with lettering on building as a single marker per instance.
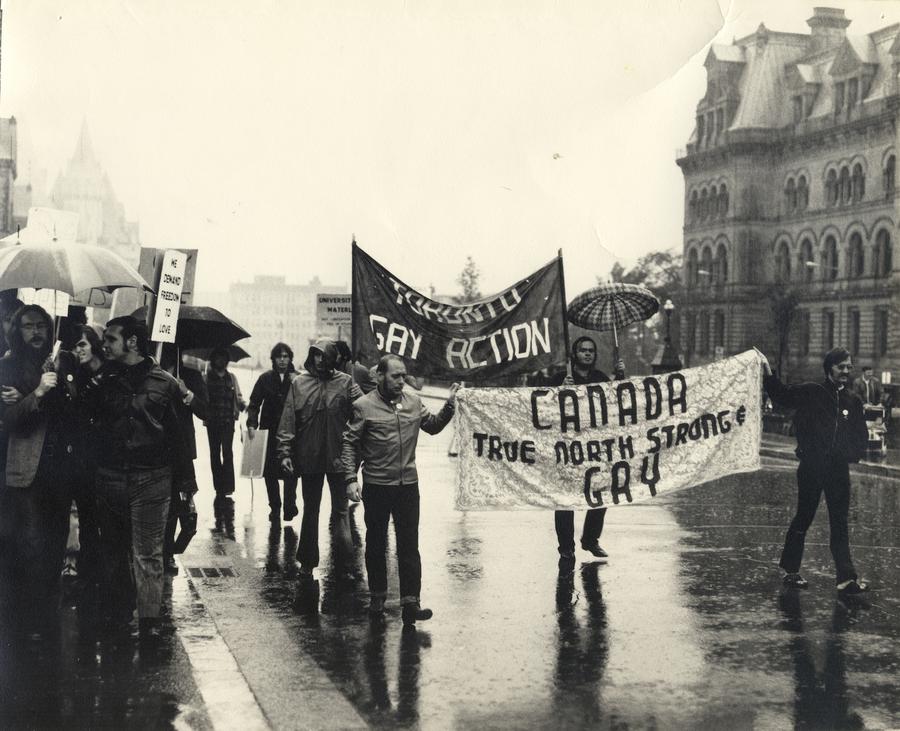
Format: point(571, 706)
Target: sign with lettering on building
point(334, 312)
point(168, 296)
point(520, 330)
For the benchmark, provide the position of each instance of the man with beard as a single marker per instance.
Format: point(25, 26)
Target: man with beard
point(139, 429)
point(584, 357)
point(39, 458)
point(831, 432)
point(315, 413)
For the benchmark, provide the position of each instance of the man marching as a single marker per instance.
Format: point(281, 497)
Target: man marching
point(382, 435)
point(831, 433)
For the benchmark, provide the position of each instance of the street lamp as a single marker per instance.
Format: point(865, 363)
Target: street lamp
point(667, 359)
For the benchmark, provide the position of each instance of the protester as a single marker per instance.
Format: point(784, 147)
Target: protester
point(382, 436)
point(868, 388)
point(140, 433)
point(194, 402)
point(39, 459)
point(266, 406)
point(8, 308)
point(361, 375)
point(584, 357)
point(88, 353)
point(831, 433)
point(225, 404)
point(315, 413)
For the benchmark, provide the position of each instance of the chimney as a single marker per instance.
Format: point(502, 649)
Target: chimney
point(829, 28)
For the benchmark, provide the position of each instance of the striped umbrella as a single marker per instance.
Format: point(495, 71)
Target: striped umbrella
point(612, 306)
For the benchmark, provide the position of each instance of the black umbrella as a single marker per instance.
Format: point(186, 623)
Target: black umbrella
point(202, 327)
point(235, 353)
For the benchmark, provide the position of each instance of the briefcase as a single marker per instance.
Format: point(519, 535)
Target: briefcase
point(187, 522)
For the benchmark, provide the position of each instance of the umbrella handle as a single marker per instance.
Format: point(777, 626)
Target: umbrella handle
point(615, 343)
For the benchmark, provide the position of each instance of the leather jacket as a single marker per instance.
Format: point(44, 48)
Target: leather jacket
point(135, 417)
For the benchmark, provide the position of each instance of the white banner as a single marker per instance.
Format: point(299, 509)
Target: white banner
point(606, 444)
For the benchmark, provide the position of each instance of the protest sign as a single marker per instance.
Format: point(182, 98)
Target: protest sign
point(253, 457)
point(607, 444)
point(520, 330)
point(168, 297)
point(334, 313)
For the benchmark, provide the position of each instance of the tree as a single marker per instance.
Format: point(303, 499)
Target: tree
point(468, 282)
point(783, 308)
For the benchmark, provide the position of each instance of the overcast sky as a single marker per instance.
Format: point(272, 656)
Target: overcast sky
point(267, 133)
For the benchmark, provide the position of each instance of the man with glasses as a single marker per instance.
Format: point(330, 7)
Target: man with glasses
point(38, 468)
point(831, 433)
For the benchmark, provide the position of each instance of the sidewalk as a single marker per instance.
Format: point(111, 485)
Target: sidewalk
point(778, 446)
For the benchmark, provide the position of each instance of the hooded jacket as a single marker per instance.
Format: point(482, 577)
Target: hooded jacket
point(315, 413)
point(829, 422)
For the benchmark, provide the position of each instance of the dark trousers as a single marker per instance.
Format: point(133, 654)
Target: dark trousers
point(221, 457)
point(565, 528)
point(402, 503)
point(290, 492)
point(132, 508)
point(308, 548)
point(35, 526)
point(89, 554)
point(814, 478)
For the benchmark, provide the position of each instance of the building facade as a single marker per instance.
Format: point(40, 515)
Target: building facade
point(275, 311)
point(8, 173)
point(790, 199)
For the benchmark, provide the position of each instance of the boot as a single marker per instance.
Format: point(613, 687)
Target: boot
point(413, 612)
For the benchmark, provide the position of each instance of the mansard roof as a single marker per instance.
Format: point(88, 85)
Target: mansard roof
point(724, 53)
point(853, 53)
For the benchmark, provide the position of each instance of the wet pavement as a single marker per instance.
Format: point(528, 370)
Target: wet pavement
point(686, 626)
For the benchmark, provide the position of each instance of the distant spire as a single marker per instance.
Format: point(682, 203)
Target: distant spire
point(84, 151)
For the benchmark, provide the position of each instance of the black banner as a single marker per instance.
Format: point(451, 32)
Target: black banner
point(517, 331)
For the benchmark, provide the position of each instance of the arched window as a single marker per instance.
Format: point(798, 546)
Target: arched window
point(830, 260)
point(857, 261)
point(706, 266)
point(890, 169)
point(692, 208)
point(858, 183)
point(883, 255)
point(845, 185)
point(690, 322)
point(692, 268)
point(704, 333)
point(790, 196)
point(721, 265)
point(831, 188)
point(804, 261)
point(704, 205)
point(802, 193)
point(783, 263)
point(723, 201)
point(719, 329)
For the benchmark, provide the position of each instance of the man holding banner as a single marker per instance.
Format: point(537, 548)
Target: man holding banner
point(831, 433)
point(584, 358)
point(382, 436)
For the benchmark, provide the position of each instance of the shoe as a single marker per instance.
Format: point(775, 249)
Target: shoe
point(170, 568)
point(594, 548)
point(291, 512)
point(376, 606)
point(794, 581)
point(413, 612)
point(852, 588)
point(274, 516)
point(566, 562)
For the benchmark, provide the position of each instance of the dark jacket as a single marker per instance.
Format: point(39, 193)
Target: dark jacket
point(267, 400)
point(315, 413)
point(594, 376)
point(225, 400)
point(35, 428)
point(198, 407)
point(829, 422)
point(136, 419)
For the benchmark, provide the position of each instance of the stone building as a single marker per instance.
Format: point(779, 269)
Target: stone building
point(790, 198)
point(8, 172)
point(272, 310)
point(84, 188)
